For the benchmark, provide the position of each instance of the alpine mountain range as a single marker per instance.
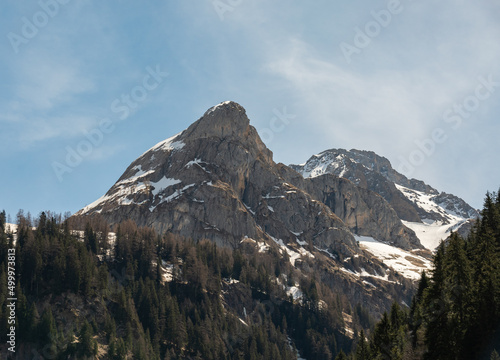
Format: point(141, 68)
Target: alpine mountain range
point(372, 229)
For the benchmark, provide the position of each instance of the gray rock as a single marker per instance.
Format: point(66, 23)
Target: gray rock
point(371, 171)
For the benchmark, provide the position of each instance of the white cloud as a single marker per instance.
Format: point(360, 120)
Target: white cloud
point(334, 95)
point(43, 129)
point(45, 81)
point(383, 94)
point(46, 98)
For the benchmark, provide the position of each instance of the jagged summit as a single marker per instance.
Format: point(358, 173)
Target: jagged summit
point(431, 214)
point(225, 107)
point(217, 180)
point(227, 119)
point(341, 161)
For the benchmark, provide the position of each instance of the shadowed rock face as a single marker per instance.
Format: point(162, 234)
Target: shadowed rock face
point(371, 171)
point(217, 180)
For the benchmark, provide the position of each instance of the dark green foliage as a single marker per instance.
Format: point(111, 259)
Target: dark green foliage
point(389, 336)
point(87, 346)
point(341, 356)
point(75, 299)
point(455, 313)
point(364, 318)
point(363, 348)
point(90, 239)
point(46, 331)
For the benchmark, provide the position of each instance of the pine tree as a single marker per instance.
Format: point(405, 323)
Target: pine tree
point(458, 285)
point(381, 343)
point(485, 275)
point(3, 220)
point(362, 349)
point(416, 310)
point(90, 239)
point(491, 215)
point(341, 356)
point(47, 330)
point(494, 355)
point(87, 346)
point(436, 310)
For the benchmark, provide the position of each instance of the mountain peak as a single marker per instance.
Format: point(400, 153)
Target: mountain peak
point(225, 106)
point(227, 119)
point(432, 215)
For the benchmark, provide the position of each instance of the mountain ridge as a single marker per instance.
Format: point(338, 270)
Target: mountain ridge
point(222, 145)
point(414, 201)
point(217, 180)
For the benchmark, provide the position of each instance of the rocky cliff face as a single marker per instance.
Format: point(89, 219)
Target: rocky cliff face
point(217, 180)
point(413, 201)
point(365, 213)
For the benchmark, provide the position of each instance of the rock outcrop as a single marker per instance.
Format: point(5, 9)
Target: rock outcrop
point(371, 171)
point(430, 214)
point(218, 180)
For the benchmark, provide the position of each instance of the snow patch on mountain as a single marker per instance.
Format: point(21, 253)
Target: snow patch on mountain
point(167, 145)
point(295, 292)
point(293, 255)
point(262, 246)
point(425, 201)
point(324, 164)
point(213, 108)
point(163, 184)
point(129, 187)
point(404, 262)
point(95, 204)
point(431, 232)
point(138, 175)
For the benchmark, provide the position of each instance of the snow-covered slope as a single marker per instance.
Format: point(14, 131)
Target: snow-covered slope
point(407, 263)
point(430, 231)
point(430, 214)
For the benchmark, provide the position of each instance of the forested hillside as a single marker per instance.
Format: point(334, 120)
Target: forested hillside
point(134, 294)
point(456, 311)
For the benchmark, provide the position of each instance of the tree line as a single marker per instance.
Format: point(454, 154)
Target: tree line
point(83, 292)
point(455, 313)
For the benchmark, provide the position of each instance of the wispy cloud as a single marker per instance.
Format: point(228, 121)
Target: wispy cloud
point(360, 103)
point(50, 128)
point(377, 101)
point(45, 81)
point(44, 101)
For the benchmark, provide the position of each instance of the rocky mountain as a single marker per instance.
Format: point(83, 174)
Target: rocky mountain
point(431, 214)
point(368, 227)
point(217, 180)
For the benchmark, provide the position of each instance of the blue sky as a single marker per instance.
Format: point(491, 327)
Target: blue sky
point(415, 81)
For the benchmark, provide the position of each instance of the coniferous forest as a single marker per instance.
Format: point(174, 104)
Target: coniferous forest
point(84, 294)
point(77, 299)
point(455, 313)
